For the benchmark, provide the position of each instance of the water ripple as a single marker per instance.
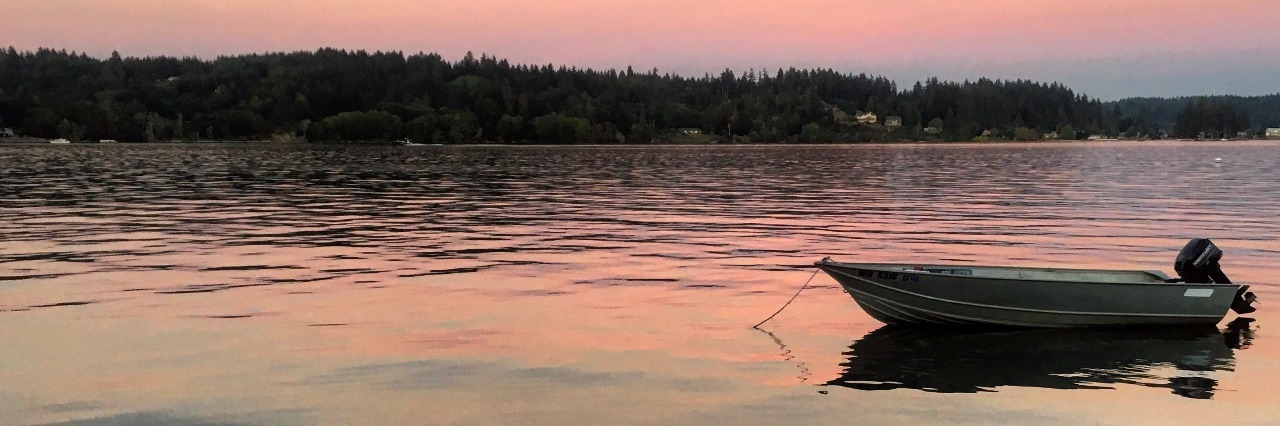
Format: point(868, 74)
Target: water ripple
point(140, 218)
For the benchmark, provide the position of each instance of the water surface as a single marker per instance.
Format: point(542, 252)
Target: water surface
point(287, 284)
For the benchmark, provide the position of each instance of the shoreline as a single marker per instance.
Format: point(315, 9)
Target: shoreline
point(41, 142)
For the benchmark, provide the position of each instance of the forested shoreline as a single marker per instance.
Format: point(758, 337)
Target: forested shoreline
point(334, 95)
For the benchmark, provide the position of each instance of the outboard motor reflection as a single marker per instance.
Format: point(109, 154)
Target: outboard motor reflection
point(1197, 263)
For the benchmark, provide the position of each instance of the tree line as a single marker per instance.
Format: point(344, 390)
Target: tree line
point(1203, 116)
point(332, 95)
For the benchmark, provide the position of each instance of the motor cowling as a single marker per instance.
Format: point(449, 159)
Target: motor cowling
point(1198, 263)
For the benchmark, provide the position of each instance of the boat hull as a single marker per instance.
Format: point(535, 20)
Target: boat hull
point(898, 294)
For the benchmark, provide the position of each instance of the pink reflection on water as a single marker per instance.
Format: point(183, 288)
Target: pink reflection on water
point(626, 284)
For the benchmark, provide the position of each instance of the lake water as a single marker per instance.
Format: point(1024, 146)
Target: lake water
point(589, 285)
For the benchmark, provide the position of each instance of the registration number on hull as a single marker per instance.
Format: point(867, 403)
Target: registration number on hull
point(892, 276)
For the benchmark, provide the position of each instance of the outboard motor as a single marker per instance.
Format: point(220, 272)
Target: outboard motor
point(1198, 264)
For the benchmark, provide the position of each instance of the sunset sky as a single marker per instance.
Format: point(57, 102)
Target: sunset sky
point(1105, 48)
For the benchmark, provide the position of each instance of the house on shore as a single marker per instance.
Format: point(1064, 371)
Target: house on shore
point(837, 114)
point(893, 121)
point(6, 132)
point(1273, 133)
point(867, 118)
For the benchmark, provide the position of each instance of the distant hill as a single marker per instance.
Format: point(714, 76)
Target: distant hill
point(334, 95)
point(1263, 111)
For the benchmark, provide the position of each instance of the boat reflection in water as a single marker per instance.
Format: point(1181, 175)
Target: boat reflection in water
point(960, 361)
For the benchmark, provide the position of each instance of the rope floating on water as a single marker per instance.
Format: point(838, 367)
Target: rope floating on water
point(790, 356)
point(793, 298)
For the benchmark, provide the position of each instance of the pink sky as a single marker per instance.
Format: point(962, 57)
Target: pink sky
point(1090, 41)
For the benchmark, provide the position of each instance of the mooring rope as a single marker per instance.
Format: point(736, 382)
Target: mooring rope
point(793, 298)
point(789, 355)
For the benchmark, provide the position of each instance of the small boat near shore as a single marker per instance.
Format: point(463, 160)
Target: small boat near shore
point(964, 295)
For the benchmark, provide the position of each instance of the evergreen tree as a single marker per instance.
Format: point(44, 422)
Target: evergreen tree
point(358, 96)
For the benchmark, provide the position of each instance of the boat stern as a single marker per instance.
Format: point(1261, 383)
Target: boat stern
point(1243, 302)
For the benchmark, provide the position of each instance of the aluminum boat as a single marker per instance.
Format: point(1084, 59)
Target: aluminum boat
point(966, 295)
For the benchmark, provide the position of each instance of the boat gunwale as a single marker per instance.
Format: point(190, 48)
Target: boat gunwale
point(898, 268)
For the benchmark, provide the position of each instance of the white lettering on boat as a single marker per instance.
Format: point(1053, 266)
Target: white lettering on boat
point(1198, 292)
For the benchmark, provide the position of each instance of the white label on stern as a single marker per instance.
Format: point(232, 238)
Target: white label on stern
point(1198, 292)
